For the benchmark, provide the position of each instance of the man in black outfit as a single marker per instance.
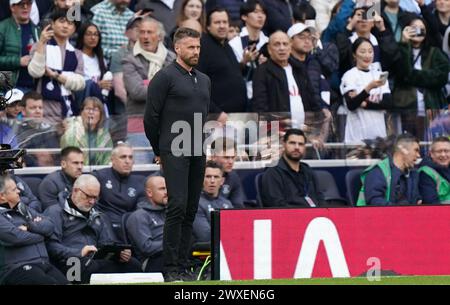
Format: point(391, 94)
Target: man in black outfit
point(291, 183)
point(177, 96)
point(217, 60)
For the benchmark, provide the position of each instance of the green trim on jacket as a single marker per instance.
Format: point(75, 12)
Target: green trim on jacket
point(385, 167)
point(442, 185)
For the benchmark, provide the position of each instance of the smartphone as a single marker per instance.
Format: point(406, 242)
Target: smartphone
point(384, 76)
point(45, 23)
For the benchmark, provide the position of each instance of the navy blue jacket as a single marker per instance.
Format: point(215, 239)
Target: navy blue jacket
point(72, 231)
point(233, 190)
point(404, 189)
point(118, 194)
point(202, 223)
point(427, 186)
point(17, 247)
point(26, 195)
point(53, 184)
point(284, 187)
point(145, 228)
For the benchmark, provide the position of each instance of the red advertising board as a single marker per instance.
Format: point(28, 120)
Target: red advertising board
point(339, 242)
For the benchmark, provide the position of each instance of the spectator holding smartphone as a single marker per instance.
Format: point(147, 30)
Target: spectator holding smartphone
point(17, 35)
point(248, 45)
point(365, 95)
point(418, 94)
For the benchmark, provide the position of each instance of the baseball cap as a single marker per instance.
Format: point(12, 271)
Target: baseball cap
point(14, 95)
point(131, 22)
point(12, 2)
point(297, 28)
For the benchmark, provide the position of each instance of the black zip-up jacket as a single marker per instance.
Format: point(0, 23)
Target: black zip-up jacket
point(73, 230)
point(176, 95)
point(53, 184)
point(145, 228)
point(283, 187)
point(271, 92)
point(118, 194)
point(228, 91)
point(17, 247)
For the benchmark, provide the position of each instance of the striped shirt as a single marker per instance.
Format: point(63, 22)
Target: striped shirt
point(112, 25)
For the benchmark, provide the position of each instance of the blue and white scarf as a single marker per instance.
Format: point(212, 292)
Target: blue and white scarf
point(51, 89)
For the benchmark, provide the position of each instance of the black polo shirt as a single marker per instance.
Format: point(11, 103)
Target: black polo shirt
point(177, 99)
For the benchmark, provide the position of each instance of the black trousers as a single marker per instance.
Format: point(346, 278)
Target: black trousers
point(36, 274)
point(184, 179)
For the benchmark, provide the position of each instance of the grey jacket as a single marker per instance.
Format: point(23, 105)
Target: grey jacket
point(17, 247)
point(202, 223)
point(73, 231)
point(135, 71)
point(53, 184)
point(145, 229)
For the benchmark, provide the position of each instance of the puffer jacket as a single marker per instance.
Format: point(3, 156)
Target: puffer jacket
point(17, 247)
point(11, 46)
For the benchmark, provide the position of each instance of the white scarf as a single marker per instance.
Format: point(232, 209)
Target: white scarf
point(156, 60)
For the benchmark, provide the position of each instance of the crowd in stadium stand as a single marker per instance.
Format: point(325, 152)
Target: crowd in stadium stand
point(327, 71)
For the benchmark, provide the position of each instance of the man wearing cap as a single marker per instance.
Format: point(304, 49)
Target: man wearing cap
point(318, 65)
point(112, 32)
point(14, 106)
point(17, 35)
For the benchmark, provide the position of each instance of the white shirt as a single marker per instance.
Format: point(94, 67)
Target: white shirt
point(420, 98)
point(238, 50)
point(91, 68)
point(295, 99)
point(34, 14)
point(363, 123)
point(169, 3)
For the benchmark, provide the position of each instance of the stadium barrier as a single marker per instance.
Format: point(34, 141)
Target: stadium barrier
point(335, 242)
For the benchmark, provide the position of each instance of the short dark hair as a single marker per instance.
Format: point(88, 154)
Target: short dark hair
point(440, 139)
point(63, 13)
point(222, 144)
point(250, 6)
point(68, 150)
point(216, 9)
point(358, 42)
point(32, 95)
point(403, 139)
point(214, 164)
point(304, 11)
point(293, 131)
point(182, 33)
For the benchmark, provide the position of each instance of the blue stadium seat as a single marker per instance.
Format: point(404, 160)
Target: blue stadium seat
point(33, 183)
point(353, 185)
point(327, 185)
point(258, 186)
